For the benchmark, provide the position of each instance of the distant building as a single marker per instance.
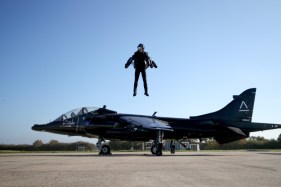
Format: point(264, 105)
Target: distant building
point(80, 148)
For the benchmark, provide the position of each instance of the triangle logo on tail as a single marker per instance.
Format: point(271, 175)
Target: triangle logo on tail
point(244, 107)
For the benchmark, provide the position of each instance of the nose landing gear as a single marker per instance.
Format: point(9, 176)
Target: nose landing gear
point(104, 149)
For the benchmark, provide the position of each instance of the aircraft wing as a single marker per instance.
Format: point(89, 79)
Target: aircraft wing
point(147, 123)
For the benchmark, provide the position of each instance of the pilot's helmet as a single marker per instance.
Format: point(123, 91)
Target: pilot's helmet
point(141, 46)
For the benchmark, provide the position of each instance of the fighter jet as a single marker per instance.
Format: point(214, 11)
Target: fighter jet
point(231, 123)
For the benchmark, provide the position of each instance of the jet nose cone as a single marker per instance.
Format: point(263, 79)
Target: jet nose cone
point(37, 127)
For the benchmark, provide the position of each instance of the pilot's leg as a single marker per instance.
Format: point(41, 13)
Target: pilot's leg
point(137, 75)
point(143, 73)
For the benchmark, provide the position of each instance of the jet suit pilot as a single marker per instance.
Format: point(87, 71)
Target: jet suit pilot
point(141, 62)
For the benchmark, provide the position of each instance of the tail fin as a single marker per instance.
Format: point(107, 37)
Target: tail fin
point(239, 109)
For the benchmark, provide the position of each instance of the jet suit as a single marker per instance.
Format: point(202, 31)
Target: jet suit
point(141, 62)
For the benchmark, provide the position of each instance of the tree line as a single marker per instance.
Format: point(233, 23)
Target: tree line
point(53, 145)
point(248, 144)
point(206, 144)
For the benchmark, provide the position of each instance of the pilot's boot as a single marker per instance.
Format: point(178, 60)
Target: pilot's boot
point(146, 90)
point(135, 89)
point(146, 93)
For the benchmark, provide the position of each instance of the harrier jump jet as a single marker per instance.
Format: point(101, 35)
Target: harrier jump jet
point(231, 123)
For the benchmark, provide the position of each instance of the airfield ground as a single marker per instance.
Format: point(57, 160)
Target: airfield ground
point(141, 169)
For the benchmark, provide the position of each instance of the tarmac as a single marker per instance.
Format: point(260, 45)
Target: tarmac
point(240, 168)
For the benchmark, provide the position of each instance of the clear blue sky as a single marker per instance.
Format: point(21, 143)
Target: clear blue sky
point(59, 55)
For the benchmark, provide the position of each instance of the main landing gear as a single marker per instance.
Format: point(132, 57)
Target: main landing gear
point(173, 147)
point(104, 149)
point(156, 149)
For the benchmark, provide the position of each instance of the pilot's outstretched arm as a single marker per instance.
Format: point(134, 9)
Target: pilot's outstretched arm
point(129, 62)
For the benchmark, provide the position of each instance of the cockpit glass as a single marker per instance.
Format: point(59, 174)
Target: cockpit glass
point(76, 112)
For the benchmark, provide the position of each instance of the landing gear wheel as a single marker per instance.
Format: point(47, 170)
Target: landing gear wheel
point(158, 143)
point(105, 150)
point(153, 149)
point(159, 153)
point(159, 149)
point(173, 149)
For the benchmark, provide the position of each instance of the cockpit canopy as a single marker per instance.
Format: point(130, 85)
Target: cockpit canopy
point(76, 112)
point(84, 110)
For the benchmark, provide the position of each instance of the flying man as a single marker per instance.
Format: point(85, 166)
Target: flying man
point(141, 62)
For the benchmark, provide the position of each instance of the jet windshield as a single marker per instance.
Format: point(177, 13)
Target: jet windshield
point(76, 112)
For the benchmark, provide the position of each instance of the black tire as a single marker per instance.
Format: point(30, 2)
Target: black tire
point(159, 149)
point(153, 149)
point(158, 153)
point(105, 150)
point(173, 149)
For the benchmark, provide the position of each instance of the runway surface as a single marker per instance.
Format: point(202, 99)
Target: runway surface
point(141, 169)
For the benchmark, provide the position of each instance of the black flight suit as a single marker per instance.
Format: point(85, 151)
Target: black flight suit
point(141, 62)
